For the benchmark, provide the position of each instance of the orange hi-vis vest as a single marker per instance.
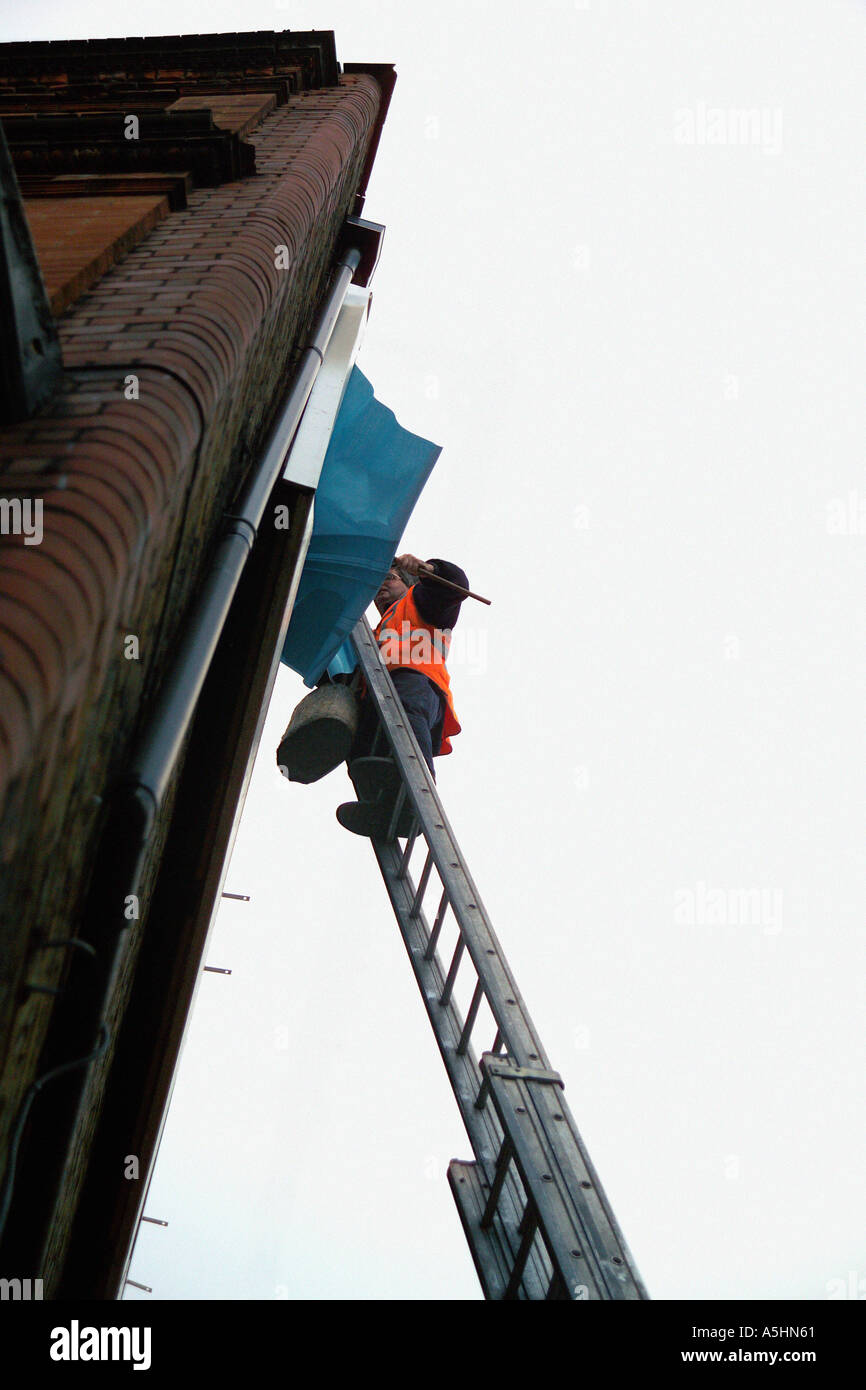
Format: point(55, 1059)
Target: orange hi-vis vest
point(405, 639)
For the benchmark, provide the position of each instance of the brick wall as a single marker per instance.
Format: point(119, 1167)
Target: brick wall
point(76, 245)
point(133, 491)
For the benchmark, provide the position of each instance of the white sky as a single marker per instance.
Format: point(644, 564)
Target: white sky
point(643, 358)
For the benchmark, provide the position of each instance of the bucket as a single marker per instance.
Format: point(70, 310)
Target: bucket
point(320, 734)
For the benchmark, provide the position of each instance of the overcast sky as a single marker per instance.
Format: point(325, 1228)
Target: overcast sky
point(622, 286)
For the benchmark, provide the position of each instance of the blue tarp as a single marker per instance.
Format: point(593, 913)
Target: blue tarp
point(373, 474)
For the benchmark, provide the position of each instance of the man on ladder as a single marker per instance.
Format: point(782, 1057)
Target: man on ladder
point(419, 603)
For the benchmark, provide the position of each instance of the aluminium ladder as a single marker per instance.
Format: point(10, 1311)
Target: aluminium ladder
point(533, 1211)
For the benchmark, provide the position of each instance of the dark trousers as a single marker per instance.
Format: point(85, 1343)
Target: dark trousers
point(424, 706)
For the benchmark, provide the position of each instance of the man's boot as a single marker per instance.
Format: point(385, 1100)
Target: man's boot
point(372, 819)
point(377, 783)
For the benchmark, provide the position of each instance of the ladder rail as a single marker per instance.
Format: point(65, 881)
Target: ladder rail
point(500, 986)
point(535, 1215)
point(482, 1125)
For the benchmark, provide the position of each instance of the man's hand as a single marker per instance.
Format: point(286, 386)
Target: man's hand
point(413, 565)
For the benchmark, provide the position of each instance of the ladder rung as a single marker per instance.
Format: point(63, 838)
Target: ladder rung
point(528, 1224)
point(437, 925)
point(470, 1018)
point(407, 852)
point(502, 1163)
point(395, 814)
point(422, 885)
point(556, 1289)
point(529, 1216)
point(452, 970)
point(484, 1088)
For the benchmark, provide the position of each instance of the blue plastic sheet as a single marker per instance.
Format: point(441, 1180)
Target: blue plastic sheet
point(373, 474)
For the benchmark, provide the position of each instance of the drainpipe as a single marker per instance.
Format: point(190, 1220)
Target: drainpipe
point(156, 755)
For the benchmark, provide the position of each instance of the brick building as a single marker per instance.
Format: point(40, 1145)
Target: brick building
point(189, 201)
